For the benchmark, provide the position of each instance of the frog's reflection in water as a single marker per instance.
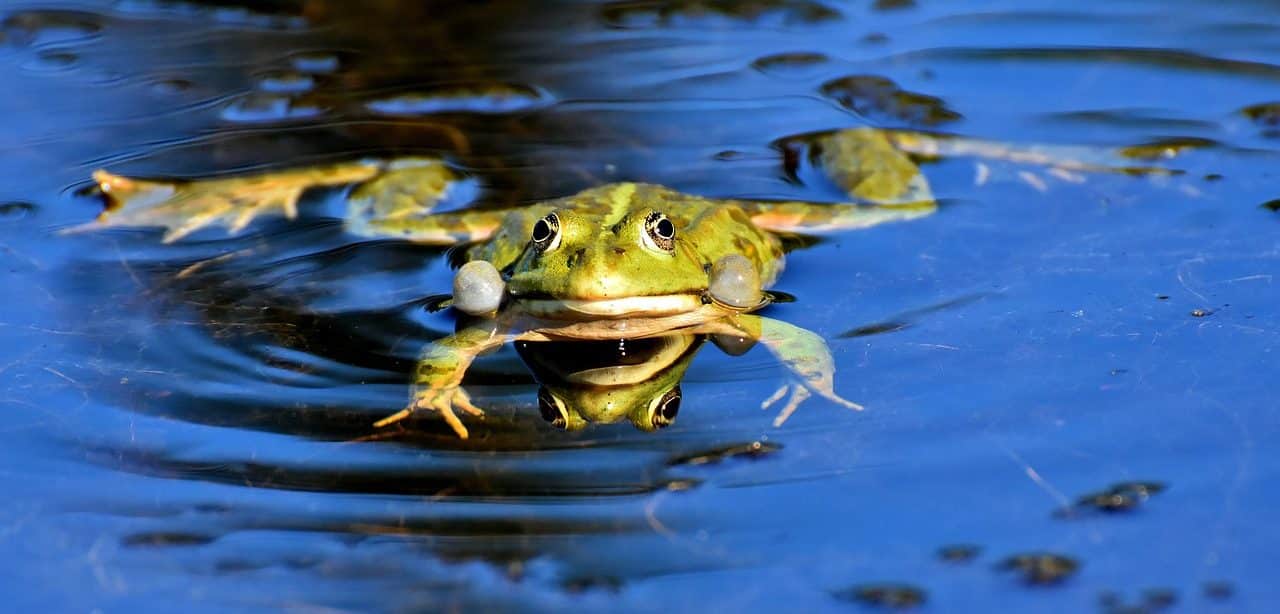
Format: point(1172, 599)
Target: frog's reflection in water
point(638, 380)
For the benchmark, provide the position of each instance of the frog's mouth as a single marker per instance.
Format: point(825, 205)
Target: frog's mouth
point(624, 307)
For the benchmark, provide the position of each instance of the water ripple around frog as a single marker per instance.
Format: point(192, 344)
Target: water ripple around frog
point(192, 423)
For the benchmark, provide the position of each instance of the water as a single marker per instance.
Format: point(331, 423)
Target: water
point(182, 431)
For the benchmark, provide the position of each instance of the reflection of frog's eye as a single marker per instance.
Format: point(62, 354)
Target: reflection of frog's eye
point(546, 233)
point(549, 409)
point(660, 231)
point(667, 409)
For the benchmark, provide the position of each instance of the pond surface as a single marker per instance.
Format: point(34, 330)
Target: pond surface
point(190, 423)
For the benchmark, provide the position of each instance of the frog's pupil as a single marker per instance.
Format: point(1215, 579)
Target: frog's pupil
point(665, 228)
point(541, 231)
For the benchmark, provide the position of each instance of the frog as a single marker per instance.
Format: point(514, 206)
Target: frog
point(602, 382)
point(618, 262)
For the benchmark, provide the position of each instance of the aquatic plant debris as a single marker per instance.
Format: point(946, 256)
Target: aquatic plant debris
point(1119, 497)
point(887, 596)
point(1041, 568)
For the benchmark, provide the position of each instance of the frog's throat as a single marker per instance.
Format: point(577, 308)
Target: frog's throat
point(625, 307)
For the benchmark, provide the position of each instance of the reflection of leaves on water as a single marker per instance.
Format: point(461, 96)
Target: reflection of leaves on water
point(959, 553)
point(880, 98)
point(160, 539)
point(751, 451)
point(890, 596)
point(1150, 601)
point(707, 13)
point(1121, 497)
point(1041, 568)
point(906, 319)
point(518, 477)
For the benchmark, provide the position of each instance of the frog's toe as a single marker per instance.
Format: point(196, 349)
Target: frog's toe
point(444, 405)
point(463, 401)
point(799, 392)
point(838, 400)
point(443, 401)
point(396, 417)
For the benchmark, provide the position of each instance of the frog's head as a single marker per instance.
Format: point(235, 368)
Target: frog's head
point(604, 382)
point(630, 261)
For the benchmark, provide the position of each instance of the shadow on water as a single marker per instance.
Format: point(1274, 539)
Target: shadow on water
point(1067, 369)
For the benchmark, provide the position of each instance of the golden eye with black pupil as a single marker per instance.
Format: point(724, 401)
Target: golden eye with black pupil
point(667, 409)
point(546, 233)
point(661, 231)
point(549, 409)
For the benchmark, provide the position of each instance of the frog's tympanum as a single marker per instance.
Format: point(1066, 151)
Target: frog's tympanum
point(618, 263)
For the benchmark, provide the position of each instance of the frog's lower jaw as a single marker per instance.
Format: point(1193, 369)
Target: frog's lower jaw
point(626, 307)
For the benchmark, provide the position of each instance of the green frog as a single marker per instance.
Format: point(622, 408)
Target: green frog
point(623, 261)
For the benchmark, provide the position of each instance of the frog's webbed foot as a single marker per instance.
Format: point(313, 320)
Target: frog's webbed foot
point(443, 400)
point(796, 392)
point(438, 380)
point(183, 207)
point(810, 367)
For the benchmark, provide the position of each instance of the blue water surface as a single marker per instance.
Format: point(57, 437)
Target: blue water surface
point(199, 439)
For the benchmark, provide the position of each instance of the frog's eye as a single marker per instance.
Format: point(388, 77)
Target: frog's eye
point(546, 233)
point(667, 408)
point(660, 232)
point(550, 409)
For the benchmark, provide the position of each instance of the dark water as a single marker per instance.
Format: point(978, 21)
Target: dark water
point(177, 435)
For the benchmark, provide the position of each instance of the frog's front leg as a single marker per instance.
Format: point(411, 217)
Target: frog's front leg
point(438, 377)
point(805, 355)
